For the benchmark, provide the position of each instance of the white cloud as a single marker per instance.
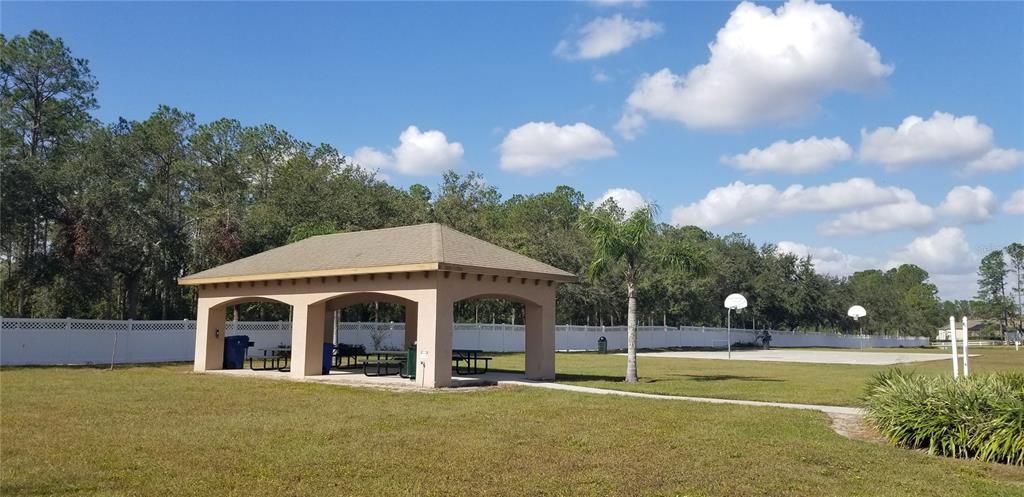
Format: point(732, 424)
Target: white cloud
point(418, 153)
point(628, 200)
point(852, 193)
point(764, 66)
point(946, 256)
point(906, 214)
point(737, 203)
point(630, 125)
point(829, 260)
point(944, 252)
point(996, 160)
point(606, 36)
point(740, 203)
point(967, 204)
point(601, 77)
point(943, 138)
point(537, 146)
point(371, 158)
point(1015, 204)
point(962, 204)
point(802, 156)
point(426, 152)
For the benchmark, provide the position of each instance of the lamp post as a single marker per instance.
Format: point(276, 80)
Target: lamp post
point(965, 346)
point(734, 302)
point(952, 346)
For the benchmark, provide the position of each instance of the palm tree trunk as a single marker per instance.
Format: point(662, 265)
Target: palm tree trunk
point(631, 376)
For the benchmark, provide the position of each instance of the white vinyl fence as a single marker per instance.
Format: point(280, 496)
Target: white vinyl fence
point(79, 341)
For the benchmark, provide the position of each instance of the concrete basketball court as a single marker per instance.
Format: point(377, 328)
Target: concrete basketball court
point(809, 356)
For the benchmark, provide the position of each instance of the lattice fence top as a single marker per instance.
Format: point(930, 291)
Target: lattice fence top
point(242, 327)
point(253, 326)
point(98, 325)
point(85, 325)
point(369, 326)
point(33, 324)
point(163, 325)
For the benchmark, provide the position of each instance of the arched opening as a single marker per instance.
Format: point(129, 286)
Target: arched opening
point(249, 332)
point(493, 326)
point(369, 321)
point(489, 309)
point(258, 309)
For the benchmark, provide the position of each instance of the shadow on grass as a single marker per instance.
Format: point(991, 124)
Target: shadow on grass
point(589, 377)
point(724, 377)
point(582, 378)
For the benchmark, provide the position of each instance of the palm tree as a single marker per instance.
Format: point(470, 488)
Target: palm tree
point(628, 243)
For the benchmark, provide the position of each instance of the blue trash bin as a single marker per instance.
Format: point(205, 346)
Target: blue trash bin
point(234, 351)
point(328, 356)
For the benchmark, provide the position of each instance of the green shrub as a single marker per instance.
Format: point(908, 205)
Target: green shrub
point(978, 417)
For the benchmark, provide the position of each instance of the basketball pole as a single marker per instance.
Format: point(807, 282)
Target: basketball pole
point(728, 332)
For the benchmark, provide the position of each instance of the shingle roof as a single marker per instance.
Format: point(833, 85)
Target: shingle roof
point(422, 247)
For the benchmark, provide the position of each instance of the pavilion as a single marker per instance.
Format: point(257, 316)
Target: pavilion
point(426, 268)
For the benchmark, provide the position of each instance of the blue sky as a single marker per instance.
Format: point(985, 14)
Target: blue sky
point(648, 97)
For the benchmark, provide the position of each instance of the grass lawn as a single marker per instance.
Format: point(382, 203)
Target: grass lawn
point(829, 384)
point(161, 430)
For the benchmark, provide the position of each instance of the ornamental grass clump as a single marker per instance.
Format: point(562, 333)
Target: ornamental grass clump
point(979, 417)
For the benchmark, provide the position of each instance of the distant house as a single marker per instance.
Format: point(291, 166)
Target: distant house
point(974, 328)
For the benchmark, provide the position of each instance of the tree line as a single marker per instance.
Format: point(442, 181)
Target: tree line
point(100, 219)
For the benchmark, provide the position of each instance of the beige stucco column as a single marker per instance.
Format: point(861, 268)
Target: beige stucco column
point(434, 340)
point(411, 322)
point(209, 337)
point(328, 325)
point(540, 341)
point(307, 339)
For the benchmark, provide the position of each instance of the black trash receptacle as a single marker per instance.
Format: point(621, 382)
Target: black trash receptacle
point(602, 345)
point(328, 358)
point(234, 351)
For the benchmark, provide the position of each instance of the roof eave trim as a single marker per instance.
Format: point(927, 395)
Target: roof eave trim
point(402, 268)
point(462, 268)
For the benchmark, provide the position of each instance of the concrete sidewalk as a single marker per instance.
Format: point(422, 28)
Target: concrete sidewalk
point(831, 410)
point(854, 357)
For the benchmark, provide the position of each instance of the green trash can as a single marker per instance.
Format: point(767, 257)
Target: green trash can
point(410, 362)
point(602, 345)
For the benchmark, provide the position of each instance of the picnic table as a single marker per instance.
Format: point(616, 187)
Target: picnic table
point(349, 353)
point(472, 359)
point(385, 354)
point(386, 363)
point(277, 357)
